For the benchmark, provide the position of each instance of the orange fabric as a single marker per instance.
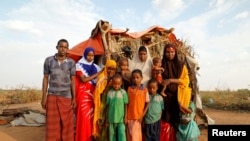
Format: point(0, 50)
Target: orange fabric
point(134, 131)
point(137, 99)
point(157, 76)
point(77, 51)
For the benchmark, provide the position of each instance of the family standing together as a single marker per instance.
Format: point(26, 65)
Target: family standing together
point(142, 99)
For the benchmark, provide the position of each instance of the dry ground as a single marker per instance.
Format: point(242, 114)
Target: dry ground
point(8, 133)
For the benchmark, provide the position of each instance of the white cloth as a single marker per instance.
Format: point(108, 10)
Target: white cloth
point(80, 68)
point(145, 67)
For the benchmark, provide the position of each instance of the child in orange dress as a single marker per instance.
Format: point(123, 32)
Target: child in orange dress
point(137, 106)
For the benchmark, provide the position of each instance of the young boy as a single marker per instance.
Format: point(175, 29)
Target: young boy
point(137, 106)
point(153, 115)
point(117, 100)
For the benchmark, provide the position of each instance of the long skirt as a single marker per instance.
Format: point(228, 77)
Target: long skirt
point(84, 112)
point(59, 119)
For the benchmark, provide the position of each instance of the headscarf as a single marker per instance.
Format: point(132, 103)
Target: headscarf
point(173, 68)
point(145, 67)
point(101, 84)
point(87, 68)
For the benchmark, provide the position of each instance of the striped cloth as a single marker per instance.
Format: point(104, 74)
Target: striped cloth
point(59, 119)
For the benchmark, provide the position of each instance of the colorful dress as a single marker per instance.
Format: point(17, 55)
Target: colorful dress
point(84, 99)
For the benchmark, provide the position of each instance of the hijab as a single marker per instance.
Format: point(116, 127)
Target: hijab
point(173, 68)
point(87, 68)
point(145, 66)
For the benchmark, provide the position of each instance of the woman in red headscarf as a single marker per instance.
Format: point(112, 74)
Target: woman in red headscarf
point(176, 79)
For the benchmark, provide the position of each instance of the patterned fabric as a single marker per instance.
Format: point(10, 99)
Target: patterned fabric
point(59, 119)
point(59, 80)
point(84, 97)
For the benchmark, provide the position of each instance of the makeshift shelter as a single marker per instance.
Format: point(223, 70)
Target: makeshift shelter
point(116, 43)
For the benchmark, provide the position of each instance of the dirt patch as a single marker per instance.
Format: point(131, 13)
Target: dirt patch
point(9, 133)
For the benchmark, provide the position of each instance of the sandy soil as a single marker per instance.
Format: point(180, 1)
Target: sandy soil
point(9, 133)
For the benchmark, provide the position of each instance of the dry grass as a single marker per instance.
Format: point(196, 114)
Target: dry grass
point(218, 99)
point(21, 94)
point(227, 100)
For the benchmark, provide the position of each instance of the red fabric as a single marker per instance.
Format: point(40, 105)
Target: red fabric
point(59, 119)
point(167, 132)
point(84, 110)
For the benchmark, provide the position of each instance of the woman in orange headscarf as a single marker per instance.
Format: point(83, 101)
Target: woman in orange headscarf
point(100, 129)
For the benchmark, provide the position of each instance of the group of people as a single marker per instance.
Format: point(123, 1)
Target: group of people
point(126, 100)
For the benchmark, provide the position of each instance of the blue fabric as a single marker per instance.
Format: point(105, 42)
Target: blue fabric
point(87, 50)
point(189, 131)
point(89, 68)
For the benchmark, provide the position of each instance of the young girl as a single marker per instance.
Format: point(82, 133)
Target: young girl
point(137, 106)
point(86, 73)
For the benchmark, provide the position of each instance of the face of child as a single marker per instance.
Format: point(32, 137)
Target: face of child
point(152, 88)
point(143, 56)
point(136, 78)
point(124, 65)
point(157, 63)
point(117, 82)
point(111, 71)
point(90, 56)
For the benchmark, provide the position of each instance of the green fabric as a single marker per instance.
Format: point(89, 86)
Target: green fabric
point(116, 101)
point(117, 132)
point(190, 131)
point(155, 108)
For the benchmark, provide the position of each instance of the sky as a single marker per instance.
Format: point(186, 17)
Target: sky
point(218, 30)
